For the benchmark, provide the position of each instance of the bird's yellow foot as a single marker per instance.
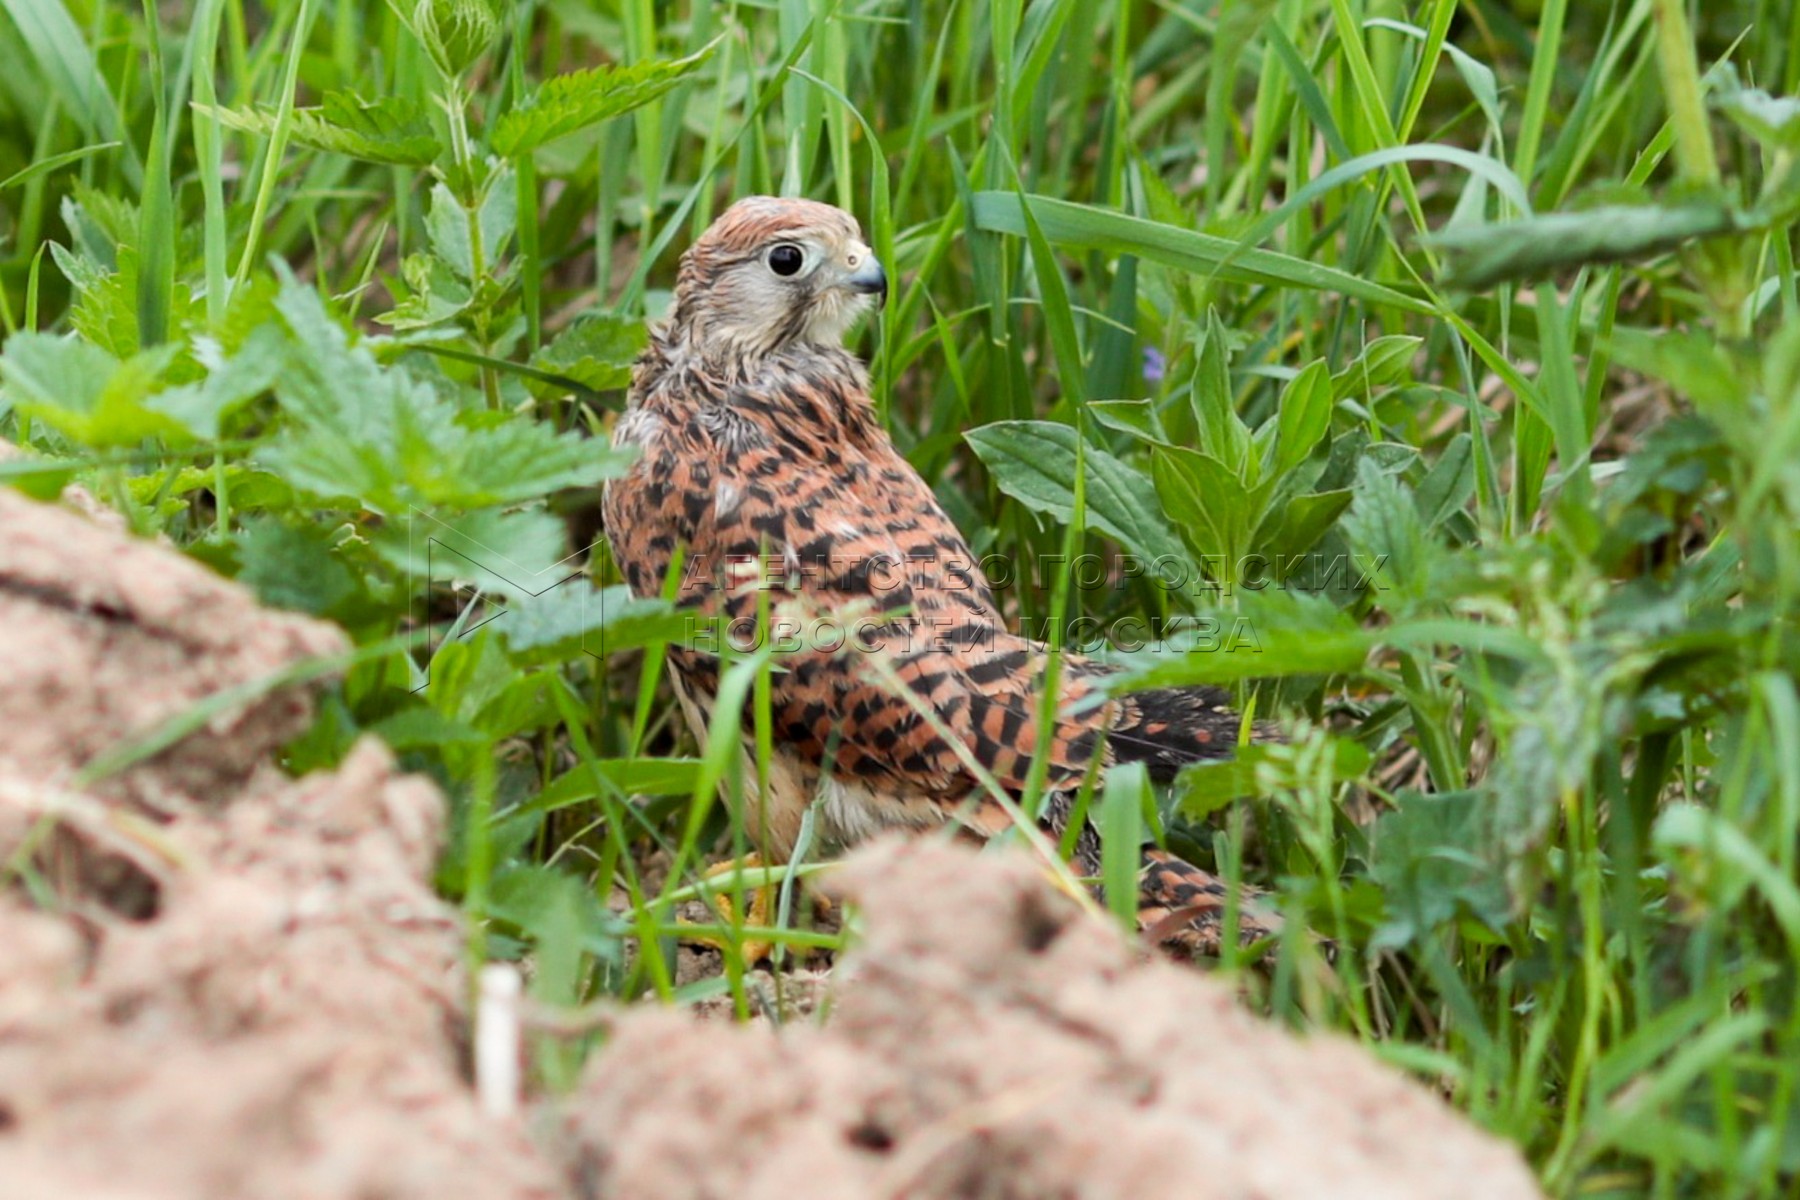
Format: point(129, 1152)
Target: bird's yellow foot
point(764, 901)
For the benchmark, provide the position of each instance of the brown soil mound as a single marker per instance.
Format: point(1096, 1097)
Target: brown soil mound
point(106, 638)
point(219, 982)
point(214, 982)
point(995, 1042)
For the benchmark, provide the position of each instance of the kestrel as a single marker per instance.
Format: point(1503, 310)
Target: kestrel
point(765, 480)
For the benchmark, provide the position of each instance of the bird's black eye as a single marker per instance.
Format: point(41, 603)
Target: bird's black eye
point(786, 259)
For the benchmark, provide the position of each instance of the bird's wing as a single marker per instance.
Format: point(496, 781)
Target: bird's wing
point(913, 682)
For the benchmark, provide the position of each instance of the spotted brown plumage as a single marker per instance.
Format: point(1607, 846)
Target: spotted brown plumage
point(763, 466)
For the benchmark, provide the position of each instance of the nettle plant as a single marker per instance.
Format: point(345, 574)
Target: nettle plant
point(398, 484)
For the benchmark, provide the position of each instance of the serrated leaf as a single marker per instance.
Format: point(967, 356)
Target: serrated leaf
point(386, 439)
point(498, 214)
point(391, 130)
point(437, 295)
point(1385, 528)
point(85, 393)
point(510, 552)
point(454, 32)
point(597, 352)
point(292, 567)
point(563, 920)
point(1772, 120)
point(447, 223)
point(574, 618)
point(572, 102)
point(232, 383)
point(1034, 463)
point(100, 223)
point(1423, 858)
point(104, 310)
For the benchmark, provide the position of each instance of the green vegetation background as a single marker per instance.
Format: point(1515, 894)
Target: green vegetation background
point(1497, 298)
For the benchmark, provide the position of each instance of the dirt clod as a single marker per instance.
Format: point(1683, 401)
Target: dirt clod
point(993, 1041)
point(215, 982)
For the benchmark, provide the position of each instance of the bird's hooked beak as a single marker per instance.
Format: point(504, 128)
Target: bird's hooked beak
point(866, 278)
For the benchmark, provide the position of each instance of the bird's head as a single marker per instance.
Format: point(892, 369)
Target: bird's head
point(770, 273)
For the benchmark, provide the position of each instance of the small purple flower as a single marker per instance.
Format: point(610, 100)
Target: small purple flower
point(1153, 365)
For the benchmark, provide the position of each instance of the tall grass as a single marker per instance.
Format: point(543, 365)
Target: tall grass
point(1445, 354)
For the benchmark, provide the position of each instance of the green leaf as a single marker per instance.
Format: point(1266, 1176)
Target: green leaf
point(1724, 861)
point(447, 224)
point(437, 295)
point(1206, 788)
point(563, 921)
point(1277, 633)
point(493, 550)
point(100, 223)
point(424, 728)
point(618, 776)
point(498, 214)
point(1385, 528)
point(596, 352)
point(85, 393)
point(1694, 364)
point(1477, 257)
point(573, 618)
point(1069, 224)
point(1449, 483)
point(1210, 786)
point(1773, 121)
point(1034, 463)
point(1136, 417)
point(573, 102)
point(1054, 293)
point(1295, 527)
point(293, 567)
point(104, 311)
point(1211, 506)
point(454, 32)
point(1383, 362)
point(201, 407)
point(1122, 838)
point(1423, 859)
point(391, 130)
point(54, 162)
point(1223, 434)
point(39, 478)
point(1304, 417)
point(389, 441)
point(61, 52)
